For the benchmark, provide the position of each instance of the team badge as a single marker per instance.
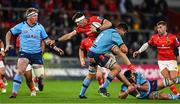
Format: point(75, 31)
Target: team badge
point(32, 35)
point(25, 31)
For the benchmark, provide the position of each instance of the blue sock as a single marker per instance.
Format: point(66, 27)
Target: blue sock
point(16, 83)
point(178, 80)
point(85, 85)
point(107, 81)
point(173, 97)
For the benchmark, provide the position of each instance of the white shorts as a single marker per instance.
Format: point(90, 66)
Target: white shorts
point(171, 65)
point(1, 64)
point(29, 67)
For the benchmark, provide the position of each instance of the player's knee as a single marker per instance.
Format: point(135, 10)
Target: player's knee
point(91, 76)
point(92, 71)
point(39, 72)
point(167, 82)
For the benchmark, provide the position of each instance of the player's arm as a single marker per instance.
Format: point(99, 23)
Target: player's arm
point(142, 49)
point(106, 24)
point(117, 51)
point(81, 57)
point(124, 48)
point(143, 87)
point(2, 48)
point(123, 94)
point(42, 46)
point(51, 44)
point(67, 36)
point(8, 38)
point(178, 57)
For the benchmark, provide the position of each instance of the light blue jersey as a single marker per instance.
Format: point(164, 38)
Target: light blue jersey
point(106, 40)
point(30, 36)
point(140, 80)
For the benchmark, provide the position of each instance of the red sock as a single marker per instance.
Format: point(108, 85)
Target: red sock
point(100, 81)
point(35, 80)
point(32, 88)
point(2, 84)
point(174, 89)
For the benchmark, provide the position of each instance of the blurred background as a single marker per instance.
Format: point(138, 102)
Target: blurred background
point(55, 16)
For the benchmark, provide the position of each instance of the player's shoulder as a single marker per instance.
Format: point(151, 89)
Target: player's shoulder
point(95, 18)
point(154, 36)
point(87, 40)
point(21, 23)
point(171, 35)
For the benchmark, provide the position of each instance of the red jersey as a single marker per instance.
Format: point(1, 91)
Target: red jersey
point(18, 42)
point(87, 29)
point(86, 43)
point(165, 46)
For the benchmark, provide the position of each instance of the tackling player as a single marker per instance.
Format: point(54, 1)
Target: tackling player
point(147, 89)
point(88, 26)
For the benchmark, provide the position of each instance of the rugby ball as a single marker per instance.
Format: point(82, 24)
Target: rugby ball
point(96, 24)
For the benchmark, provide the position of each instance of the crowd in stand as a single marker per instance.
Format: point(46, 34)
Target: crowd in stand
point(56, 15)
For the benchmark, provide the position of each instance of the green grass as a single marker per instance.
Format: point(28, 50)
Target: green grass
point(68, 91)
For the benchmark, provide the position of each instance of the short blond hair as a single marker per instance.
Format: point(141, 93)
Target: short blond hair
point(31, 10)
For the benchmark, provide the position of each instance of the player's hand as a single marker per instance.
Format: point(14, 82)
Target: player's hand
point(93, 29)
point(7, 48)
point(136, 53)
point(83, 64)
point(131, 88)
point(50, 42)
point(2, 53)
point(59, 50)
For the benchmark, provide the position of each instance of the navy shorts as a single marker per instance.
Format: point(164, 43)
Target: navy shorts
point(153, 87)
point(35, 58)
point(97, 59)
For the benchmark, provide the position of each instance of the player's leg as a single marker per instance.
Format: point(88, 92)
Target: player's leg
point(21, 68)
point(173, 70)
point(173, 88)
point(162, 96)
point(100, 76)
point(87, 80)
point(110, 63)
point(29, 81)
point(2, 73)
point(35, 80)
point(165, 66)
point(38, 67)
point(39, 75)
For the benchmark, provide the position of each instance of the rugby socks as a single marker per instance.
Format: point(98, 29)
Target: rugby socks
point(2, 86)
point(16, 83)
point(107, 81)
point(100, 81)
point(173, 97)
point(85, 85)
point(174, 89)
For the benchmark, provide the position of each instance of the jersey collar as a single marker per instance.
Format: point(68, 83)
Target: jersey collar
point(30, 25)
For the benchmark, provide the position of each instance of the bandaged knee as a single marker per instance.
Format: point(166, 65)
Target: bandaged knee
point(167, 82)
point(39, 72)
point(92, 70)
point(110, 63)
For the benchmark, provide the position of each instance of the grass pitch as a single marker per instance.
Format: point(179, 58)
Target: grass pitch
point(57, 91)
